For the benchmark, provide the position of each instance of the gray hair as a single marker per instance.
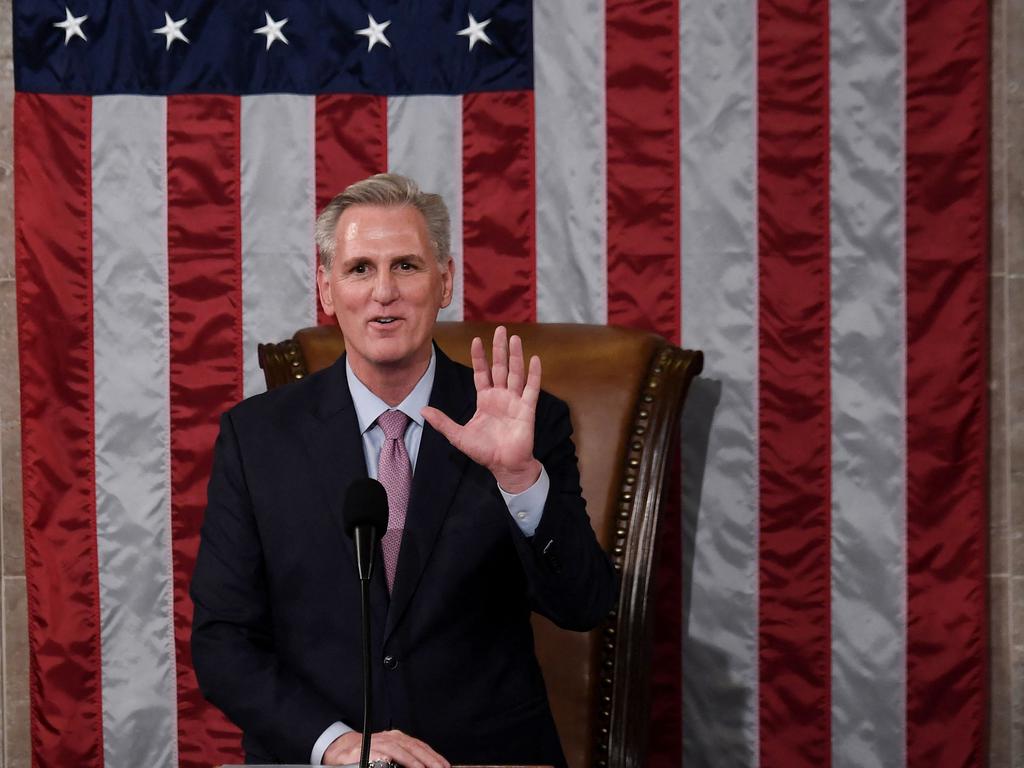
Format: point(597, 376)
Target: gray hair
point(388, 190)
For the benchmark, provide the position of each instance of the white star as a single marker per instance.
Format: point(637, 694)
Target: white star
point(272, 29)
point(475, 32)
point(172, 30)
point(374, 33)
point(72, 25)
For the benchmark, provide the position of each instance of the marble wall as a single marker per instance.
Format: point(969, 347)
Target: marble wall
point(13, 631)
point(1007, 407)
point(1006, 469)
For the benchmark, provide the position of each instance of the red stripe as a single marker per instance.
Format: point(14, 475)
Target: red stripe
point(205, 308)
point(351, 144)
point(499, 280)
point(794, 421)
point(947, 245)
point(642, 93)
point(642, 106)
point(53, 232)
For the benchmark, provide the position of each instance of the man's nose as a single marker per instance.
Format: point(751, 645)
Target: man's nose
point(385, 287)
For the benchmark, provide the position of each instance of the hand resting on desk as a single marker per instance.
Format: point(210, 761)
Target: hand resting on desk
point(386, 745)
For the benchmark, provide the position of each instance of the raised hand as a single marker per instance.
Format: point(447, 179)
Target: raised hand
point(500, 434)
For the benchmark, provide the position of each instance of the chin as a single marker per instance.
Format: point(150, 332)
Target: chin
point(394, 355)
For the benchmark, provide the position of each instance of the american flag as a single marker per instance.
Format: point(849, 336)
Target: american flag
point(797, 188)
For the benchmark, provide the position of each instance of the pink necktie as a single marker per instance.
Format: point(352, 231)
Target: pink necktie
point(395, 473)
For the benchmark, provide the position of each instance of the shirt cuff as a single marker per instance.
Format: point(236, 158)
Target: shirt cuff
point(334, 730)
point(527, 507)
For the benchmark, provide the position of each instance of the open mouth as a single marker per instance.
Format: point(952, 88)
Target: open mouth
point(387, 320)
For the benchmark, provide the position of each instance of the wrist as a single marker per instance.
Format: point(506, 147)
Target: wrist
point(518, 479)
point(343, 750)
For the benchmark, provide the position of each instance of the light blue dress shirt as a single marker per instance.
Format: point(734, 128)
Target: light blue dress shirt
point(526, 508)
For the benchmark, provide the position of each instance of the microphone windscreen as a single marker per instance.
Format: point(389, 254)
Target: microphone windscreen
point(366, 503)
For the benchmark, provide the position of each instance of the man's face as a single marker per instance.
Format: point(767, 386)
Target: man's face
point(385, 286)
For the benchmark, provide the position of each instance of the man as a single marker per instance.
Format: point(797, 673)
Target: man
point(486, 523)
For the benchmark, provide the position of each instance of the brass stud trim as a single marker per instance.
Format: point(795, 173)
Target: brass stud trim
point(627, 504)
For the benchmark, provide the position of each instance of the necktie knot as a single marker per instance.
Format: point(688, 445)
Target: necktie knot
point(393, 423)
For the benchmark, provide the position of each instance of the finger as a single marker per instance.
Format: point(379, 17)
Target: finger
point(409, 752)
point(396, 753)
point(532, 390)
point(423, 752)
point(405, 750)
point(481, 374)
point(515, 365)
point(440, 421)
point(499, 358)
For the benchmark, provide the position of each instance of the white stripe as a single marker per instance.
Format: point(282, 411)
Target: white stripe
point(133, 430)
point(571, 168)
point(868, 402)
point(718, 231)
point(278, 211)
point(425, 143)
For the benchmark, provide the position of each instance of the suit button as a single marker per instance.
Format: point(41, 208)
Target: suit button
point(390, 662)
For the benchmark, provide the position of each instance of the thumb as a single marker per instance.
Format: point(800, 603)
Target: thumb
point(440, 421)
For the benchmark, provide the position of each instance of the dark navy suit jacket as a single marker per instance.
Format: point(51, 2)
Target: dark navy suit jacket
point(276, 637)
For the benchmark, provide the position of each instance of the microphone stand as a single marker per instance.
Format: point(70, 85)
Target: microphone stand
point(364, 754)
point(365, 541)
point(365, 517)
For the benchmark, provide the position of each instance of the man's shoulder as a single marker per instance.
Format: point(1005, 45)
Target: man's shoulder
point(286, 401)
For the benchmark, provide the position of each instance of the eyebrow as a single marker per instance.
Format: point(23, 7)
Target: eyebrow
point(356, 260)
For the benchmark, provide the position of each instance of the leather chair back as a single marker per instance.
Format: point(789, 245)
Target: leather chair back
point(625, 391)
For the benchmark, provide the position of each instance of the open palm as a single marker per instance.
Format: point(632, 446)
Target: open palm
point(500, 434)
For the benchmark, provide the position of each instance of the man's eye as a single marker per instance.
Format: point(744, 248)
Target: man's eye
point(407, 266)
point(359, 269)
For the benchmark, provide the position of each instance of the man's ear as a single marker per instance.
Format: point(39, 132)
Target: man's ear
point(323, 287)
point(447, 282)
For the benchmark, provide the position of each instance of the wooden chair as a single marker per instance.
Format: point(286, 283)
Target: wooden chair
point(625, 391)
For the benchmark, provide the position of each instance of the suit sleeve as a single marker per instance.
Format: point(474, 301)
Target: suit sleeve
point(571, 579)
point(232, 638)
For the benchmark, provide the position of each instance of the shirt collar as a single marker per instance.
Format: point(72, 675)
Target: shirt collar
point(368, 406)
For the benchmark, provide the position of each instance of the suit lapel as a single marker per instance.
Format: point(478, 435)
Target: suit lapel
point(439, 469)
point(336, 453)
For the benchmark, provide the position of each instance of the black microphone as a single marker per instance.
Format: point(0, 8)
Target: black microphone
point(365, 516)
